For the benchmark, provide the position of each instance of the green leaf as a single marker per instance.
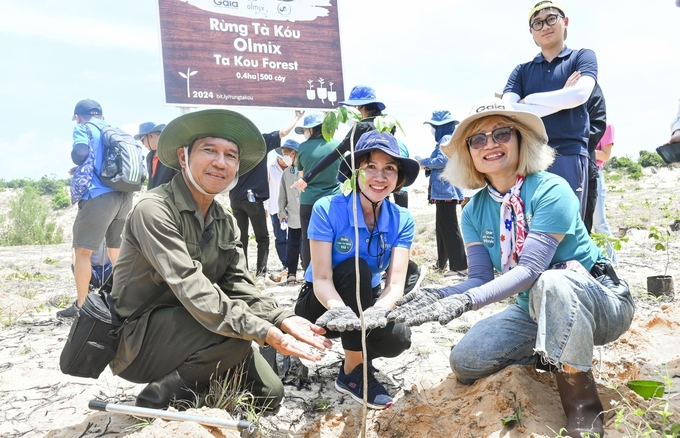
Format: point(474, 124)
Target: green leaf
point(347, 186)
point(353, 113)
point(659, 246)
point(329, 126)
point(342, 114)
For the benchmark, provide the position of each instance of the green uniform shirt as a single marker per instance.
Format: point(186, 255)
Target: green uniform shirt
point(326, 182)
point(160, 250)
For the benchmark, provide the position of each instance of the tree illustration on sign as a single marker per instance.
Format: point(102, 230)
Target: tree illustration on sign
point(332, 95)
point(321, 91)
point(186, 76)
point(311, 95)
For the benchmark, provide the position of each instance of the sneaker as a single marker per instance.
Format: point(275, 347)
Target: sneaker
point(69, 312)
point(352, 384)
point(414, 275)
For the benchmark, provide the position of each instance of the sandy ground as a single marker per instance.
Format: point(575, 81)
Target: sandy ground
point(37, 400)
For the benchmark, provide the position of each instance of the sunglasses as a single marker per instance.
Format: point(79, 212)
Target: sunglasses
point(499, 135)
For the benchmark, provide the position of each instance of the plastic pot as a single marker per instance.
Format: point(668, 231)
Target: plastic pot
point(661, 285)
point(647, 388)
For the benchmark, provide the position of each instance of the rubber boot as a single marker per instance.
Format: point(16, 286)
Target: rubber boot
point(164, 390)
point(581, 403)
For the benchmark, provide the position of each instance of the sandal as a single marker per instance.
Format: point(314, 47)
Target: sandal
point(292, 279)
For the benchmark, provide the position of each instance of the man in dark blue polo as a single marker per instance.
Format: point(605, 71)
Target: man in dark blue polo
point(556, 86)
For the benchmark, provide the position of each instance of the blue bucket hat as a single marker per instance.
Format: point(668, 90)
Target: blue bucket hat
point(289, 144)
point(362, 95)
point(384, 142)
point(144, 128)
point(309, 121)
point(441, 118)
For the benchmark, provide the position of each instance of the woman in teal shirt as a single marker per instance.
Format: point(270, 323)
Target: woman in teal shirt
point(526, 225)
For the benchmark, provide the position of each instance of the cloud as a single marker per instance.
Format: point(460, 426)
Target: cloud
point(77, 30)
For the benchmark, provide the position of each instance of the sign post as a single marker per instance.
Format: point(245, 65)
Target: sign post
point(255, 53)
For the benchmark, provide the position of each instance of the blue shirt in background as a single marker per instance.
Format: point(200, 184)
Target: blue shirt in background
point(80, 137)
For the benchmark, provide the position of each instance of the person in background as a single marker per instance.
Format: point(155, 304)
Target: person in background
point(675, 126)
point(386, 232)
point(101, 209)
point(311, 151)
point(603, 153)
point(254, 185)
point(597, 113)
point(445, 197)
point(182, 246)
point(556, 86)
point(525, 224)
point(289, 208)
point(276, 166)
point(158, 172)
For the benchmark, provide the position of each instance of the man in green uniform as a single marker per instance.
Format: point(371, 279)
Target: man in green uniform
point(177, 239)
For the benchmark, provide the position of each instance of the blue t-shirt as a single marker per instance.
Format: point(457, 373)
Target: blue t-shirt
point(332, 221)
point(80, 137)
point(568, 130)
point(550, 206)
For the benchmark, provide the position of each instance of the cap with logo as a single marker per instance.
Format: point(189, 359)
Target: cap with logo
point(87, 107)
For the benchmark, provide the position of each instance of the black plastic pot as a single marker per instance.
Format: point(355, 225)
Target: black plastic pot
point(661, 285)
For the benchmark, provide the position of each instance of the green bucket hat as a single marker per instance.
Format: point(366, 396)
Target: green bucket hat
point(219, 123)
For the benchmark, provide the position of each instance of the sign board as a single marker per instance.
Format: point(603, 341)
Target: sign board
point(258, 53)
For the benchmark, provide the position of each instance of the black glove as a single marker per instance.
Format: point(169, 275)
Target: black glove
point(339, 319)
point(444, 310)
point(409, 305)
point(376, 317)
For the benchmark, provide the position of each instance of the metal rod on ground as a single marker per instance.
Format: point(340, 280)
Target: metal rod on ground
point(240, 425)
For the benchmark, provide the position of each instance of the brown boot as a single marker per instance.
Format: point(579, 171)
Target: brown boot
point(581, 403)
point(164, 390)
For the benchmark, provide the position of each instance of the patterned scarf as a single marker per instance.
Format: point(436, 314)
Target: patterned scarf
point(513, 227)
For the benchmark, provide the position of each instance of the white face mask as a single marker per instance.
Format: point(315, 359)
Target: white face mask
point(307, 134)
point(287, 159)
point(433, 129)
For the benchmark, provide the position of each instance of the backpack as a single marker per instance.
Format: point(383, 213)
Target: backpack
point(123, 163)
point(82, 175)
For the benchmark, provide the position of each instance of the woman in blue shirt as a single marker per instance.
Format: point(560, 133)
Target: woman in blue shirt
point(526, 225)
point(385, 236)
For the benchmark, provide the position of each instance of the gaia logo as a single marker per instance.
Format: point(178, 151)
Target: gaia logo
point(226, 3)
point(343, 245)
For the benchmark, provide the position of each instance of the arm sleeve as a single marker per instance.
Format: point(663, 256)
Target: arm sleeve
point(480, 271)
point(272, 140)
point(407, 232)
point(320, 227)
point(283, 198)
point(539, 249)
point(539, 110)
point(564, 98)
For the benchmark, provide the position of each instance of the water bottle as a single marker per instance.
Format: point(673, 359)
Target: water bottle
point(284, 224)
point(250, 195)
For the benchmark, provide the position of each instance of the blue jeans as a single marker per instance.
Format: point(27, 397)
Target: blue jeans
point(569, 313)
point(280, 239)
point(600, 224)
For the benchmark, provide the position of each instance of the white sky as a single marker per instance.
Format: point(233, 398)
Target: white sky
point(419, 56)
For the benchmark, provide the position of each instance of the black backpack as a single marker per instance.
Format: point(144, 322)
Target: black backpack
point(123, 164)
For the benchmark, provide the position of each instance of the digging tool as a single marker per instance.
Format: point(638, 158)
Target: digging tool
point(246, 428)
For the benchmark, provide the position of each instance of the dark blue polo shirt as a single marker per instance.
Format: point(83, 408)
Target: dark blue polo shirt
point(568, 130)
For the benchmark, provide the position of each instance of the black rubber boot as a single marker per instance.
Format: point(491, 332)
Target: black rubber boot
point(581, 403)
point(163, 391)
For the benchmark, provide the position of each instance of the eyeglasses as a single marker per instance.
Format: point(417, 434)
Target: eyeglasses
point(499, 135)
point(550, 20)
point(380, 250)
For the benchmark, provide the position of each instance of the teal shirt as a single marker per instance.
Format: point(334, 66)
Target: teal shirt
point(550, 206)
point(326, 182)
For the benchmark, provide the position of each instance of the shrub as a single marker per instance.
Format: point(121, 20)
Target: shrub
point(44, 186)
point(61, 199)
point(633, 169)
point(26, 222)
point(650, 159)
